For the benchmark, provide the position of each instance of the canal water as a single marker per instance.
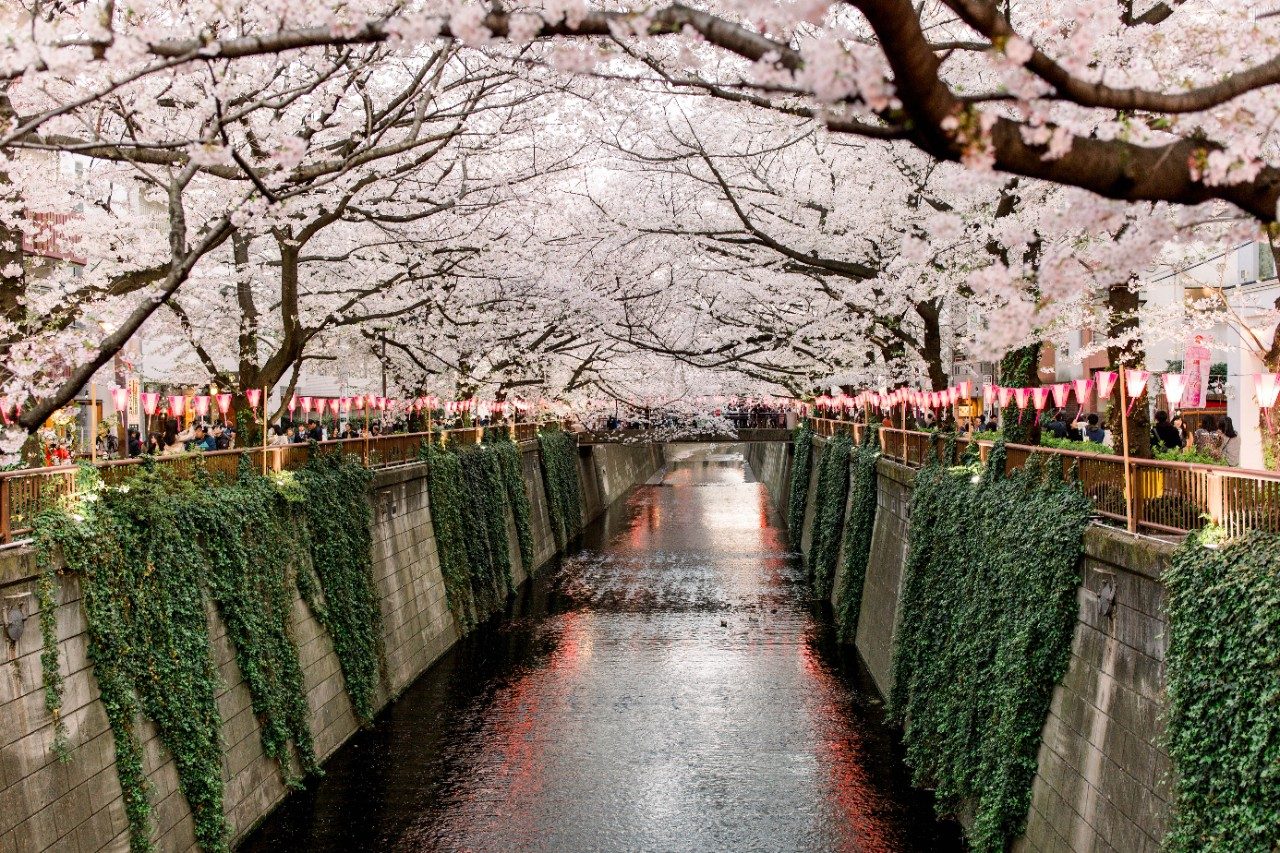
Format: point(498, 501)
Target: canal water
point(669, 686)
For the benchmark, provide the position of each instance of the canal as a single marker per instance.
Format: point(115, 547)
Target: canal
point(669, 686)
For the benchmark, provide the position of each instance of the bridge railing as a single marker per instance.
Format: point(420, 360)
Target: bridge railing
point(1168, 497)
point(24, 493)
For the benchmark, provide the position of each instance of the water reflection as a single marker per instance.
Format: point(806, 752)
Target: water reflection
point(667, 687)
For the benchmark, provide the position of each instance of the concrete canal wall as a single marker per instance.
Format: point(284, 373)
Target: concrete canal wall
point(1102, 774)
point(77, 805)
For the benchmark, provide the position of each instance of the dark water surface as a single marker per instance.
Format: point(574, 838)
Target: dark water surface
point(668, 687)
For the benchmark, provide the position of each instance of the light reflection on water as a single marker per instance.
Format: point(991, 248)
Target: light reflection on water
point(667, 687)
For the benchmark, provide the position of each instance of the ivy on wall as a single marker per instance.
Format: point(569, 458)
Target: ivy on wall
point(987, 611)
point(339, 523)
point(471, 489)
point(151, 553)
point(828, 516)
point(1223, 670)
point(560, 479)
point(1018, 370)
point(511, 463)
point(858, 528)
point(798, 493)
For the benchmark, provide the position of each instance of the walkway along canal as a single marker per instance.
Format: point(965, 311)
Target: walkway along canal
point(670, 685)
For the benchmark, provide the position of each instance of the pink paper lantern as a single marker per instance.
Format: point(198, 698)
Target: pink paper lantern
point(293, 403)
point(371, 401)
point(345, 402)
point(1174, 385)
point(253, 395)
point(953, 395)
point(224, 403)
point(988, 395)
point(150, 400)
point(966, 389)
point(1106, 381)
point(305, 402)
point(1082, 389)
point(1040, 397)
point(120, 398)
point(177, 404)
point(1061, 391)
point(358, 402)
point(1136, 382)
point(1005, 394)
point(200, 404)
point(1023, 396)
point(1268, 388)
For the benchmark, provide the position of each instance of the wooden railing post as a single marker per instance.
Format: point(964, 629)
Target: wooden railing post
point(1217, 499)
point(6, 527)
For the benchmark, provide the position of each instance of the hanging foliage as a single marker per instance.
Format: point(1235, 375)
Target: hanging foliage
point(987, 610)
point(1223, 668)
point(559, 454)
point(339, 521)
point(511, 463)
point(798, 493)
point(1018, 370)
point(858, 528)
point(828, 516)
point(470, 494)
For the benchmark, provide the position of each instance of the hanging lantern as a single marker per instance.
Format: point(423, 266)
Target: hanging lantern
point(988, 395)
point(966, 389)
point(293, 404)
point(1004, 394)
point(224, 403)
point(1039, 398)
point(1268, 388)
point(253, 395)
point(1174, 385)
point(953, 395)
point(1135, 382)
point(177, 404)
point(150, 400)
point(382, 404)
point(120, 398)
point(358, 402)
point(1061, 391)
point(345, 403)
point(1023, 396)
point(200, 404)
point(1106, 381)
point(305, 402)
point(1082, 388)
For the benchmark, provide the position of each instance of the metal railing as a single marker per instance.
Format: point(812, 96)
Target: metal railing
point(1168, 497)
point(24, 493)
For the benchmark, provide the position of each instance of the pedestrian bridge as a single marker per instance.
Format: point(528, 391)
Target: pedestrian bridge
point(673, 435)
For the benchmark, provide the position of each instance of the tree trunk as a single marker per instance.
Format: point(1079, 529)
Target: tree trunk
point(1020, 369)
point(1122, 324)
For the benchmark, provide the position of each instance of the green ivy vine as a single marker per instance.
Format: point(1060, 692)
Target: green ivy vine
point(987, 611)
point(1018, 370)
point(511, 463)
point(151, 553)
point(828, 518)
point(858, 528)
point(1223, 671)
point(559, 455)
point(798, 492)
point(470, 492)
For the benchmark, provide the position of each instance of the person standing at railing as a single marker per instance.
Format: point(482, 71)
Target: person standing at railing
point(134, 442)
point(1230, 442)
point(1165, 434)
point(1094, 431)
